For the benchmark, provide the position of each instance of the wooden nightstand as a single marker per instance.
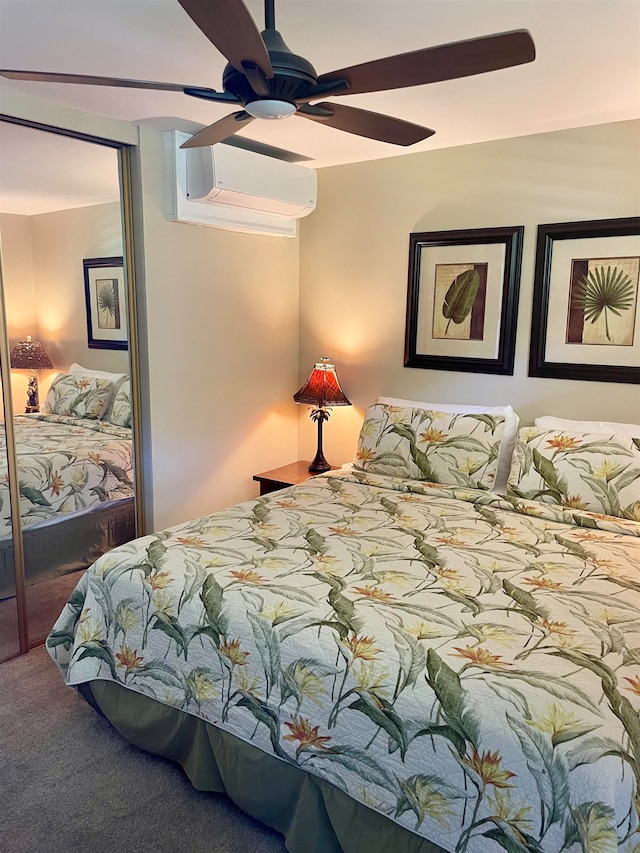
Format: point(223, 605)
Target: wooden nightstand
point(287, 475)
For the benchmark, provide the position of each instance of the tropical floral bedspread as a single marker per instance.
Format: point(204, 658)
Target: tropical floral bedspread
point(466, 664)
point(65, 464)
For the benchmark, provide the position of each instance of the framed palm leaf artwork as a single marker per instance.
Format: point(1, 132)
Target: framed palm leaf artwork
point(586, 301)
point(105, 295)
point(462, 299)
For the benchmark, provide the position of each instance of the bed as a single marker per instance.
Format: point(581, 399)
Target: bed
point(76, 469)
point(377, 661)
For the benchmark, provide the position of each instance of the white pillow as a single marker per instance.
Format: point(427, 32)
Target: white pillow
point(548, 422)
point(511, 424)
point(116, 378)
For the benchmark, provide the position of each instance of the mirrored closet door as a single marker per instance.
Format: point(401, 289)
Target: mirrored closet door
point(9, 626)
point(67, 334)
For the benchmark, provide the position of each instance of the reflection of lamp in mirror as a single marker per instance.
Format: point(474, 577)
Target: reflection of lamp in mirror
point(30, 355)
point(321, 389)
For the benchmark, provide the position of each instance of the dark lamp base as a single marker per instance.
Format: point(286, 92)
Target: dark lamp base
point(319, 464)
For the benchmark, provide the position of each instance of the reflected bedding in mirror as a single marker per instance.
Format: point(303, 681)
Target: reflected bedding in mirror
point(66, 466)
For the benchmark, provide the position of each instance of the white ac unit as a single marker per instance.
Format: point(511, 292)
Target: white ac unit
point(226, 187)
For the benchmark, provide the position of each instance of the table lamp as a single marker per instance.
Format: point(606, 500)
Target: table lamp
point(321, 390)
point(30, 355)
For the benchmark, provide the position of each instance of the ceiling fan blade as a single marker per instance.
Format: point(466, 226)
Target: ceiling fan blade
point(90, 80)
point(219, 130)
point(433, 64)
point(365, 123)
point(267, 150)
point(229, 26)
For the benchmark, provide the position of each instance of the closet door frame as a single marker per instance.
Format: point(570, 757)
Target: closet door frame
point(128, 170)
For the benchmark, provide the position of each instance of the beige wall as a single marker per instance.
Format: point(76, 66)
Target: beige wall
point(222, 327)
point(354, 256)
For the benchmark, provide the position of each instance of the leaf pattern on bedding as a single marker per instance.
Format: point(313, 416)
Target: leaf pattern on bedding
point(600, 473)
point(464, 663)
point(422, 444)
point(64, 465)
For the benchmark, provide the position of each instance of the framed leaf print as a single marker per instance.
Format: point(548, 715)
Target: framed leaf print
point(586, 301)
point(105, 295)
point(462, 299)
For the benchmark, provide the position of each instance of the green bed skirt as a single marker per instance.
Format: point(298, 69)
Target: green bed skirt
point(313, 816)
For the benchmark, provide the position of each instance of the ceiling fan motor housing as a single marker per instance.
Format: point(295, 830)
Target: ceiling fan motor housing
point(292, 74)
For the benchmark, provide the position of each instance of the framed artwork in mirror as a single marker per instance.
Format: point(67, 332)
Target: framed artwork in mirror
point(586, 301)
point(462, 299)
point(105, 295)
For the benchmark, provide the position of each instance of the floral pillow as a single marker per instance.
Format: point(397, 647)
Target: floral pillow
point(582, 470)
point(422, 444)
point(78, 396)
point(121, 411)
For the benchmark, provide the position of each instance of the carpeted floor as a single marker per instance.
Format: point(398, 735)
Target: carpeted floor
point(69, 782)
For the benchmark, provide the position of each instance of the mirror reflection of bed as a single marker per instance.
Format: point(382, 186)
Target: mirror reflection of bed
point(70, 380)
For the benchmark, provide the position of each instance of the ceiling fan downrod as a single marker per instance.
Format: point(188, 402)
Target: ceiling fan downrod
point(269, 15)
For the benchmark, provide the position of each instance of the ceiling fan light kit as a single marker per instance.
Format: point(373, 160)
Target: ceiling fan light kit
point(270, 109)
point(271, 82)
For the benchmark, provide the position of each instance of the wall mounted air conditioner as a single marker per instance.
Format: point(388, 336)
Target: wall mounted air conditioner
point(225, 187)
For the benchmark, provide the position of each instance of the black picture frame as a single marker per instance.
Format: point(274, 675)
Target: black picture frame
point(106, 303)
point(563, 258)
point(495, 256)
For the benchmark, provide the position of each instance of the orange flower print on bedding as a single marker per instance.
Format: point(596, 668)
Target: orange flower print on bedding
point(233, 652)
point(433, 435)
point(487, 767)
point(128, 658)
point(575, 502)
point(195, 541)
point(374, 592)
point(365, 454)
point(361, 647)
point(305, 734)
point(159, 580)
point(56, 483)
point(480, 657)
point(557, 628)
point(635, 684)
point(563, 442)
point(247, 576)
point(543, 583)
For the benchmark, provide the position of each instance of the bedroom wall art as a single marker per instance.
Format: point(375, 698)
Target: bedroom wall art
point(104, 286)
point(462, 299)
point(586, 301)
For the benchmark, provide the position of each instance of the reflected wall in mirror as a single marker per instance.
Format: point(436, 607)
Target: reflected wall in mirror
point(59, 206)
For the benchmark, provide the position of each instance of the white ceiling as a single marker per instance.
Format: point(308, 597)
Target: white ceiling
point(587, 69)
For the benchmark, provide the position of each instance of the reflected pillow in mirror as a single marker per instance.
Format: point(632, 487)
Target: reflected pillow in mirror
point(78, 396)
point(116, 378)
point(121, 409)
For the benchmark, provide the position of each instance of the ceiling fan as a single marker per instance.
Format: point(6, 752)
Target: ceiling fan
point(271, 82)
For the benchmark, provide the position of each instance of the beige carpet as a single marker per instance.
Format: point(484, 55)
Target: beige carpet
point(69, 782)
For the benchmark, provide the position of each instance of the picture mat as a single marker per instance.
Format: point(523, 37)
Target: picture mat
point(109, 273)
point(556, 348)
point(492, 254)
